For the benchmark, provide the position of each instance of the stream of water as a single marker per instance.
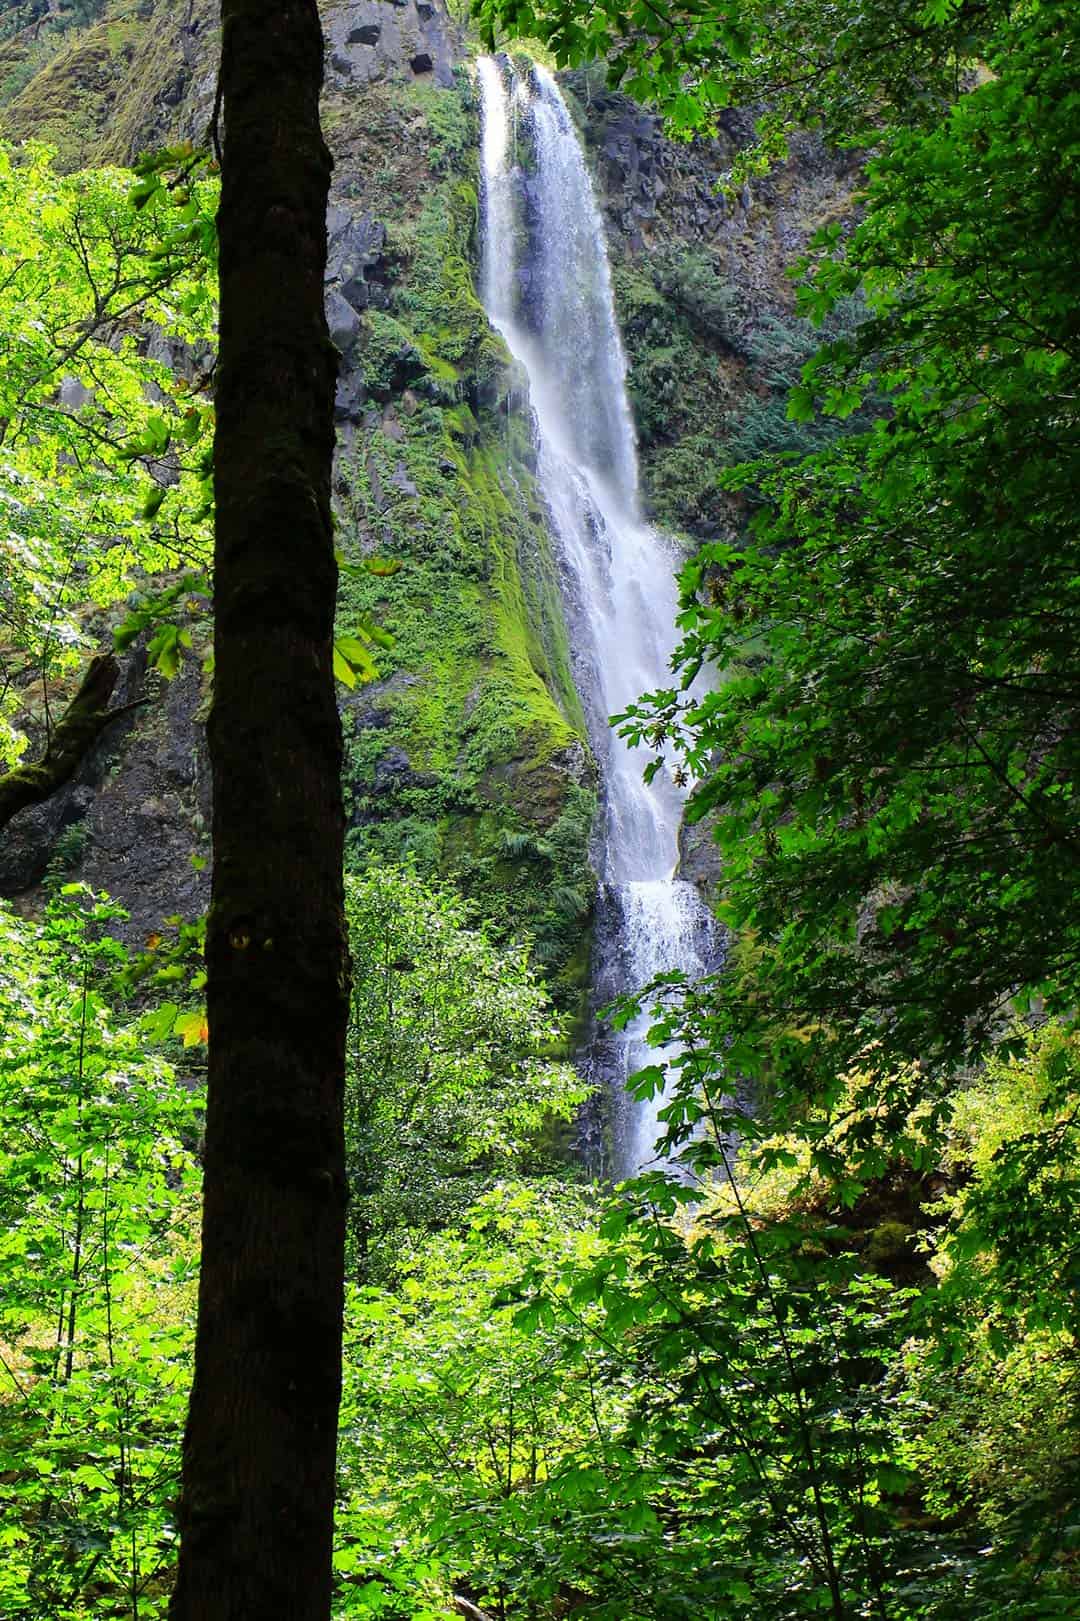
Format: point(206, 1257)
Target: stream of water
point(547, 290)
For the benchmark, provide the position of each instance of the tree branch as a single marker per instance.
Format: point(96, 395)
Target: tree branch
point(466, 1608)
point(75, 733)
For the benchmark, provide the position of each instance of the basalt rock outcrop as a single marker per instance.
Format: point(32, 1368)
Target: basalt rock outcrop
point(375, 41)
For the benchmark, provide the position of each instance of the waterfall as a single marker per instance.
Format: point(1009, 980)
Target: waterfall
point(546, 286)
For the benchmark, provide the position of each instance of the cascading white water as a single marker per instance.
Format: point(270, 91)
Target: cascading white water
point(547, 290)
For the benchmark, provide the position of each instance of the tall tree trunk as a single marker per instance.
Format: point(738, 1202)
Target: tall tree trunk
point(258, 1470)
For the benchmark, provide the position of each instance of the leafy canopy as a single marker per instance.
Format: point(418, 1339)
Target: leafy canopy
point(106, 312)
point(450, 1074)
point(98, 1235)
point(848, 65)
point(889, 757)
point(99, 1184)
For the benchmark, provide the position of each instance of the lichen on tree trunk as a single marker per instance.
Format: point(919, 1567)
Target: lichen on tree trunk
point(258, 1471)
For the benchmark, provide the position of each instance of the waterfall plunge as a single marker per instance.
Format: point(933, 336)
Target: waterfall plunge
point(547, 290)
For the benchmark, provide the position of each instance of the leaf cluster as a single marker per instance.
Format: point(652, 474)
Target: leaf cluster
point(97, 1256)
point(450, 1078)
point(889, 758)
point(107, 308)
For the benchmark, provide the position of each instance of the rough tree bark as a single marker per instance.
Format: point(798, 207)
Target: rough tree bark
point(256, 1507)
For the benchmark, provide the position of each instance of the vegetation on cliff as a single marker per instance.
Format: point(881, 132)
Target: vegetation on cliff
point(829, 1368)
point(469, 755)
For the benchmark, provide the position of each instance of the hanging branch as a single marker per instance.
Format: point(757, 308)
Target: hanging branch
point(78, 729)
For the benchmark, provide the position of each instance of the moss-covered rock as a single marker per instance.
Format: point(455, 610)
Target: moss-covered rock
point(469, 754)
point(70, 100)
point(889, 1245)
point(32, 32)
point(142, 72)
point(168, 92)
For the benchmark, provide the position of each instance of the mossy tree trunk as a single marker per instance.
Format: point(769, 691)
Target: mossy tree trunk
point(258, 1468)
point(79, 728)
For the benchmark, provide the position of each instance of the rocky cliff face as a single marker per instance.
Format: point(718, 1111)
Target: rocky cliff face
point(372, 42)
point(468, 755)
point(706, 303)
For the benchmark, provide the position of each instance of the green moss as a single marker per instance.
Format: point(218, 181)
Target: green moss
point(495, 702)
point(144, 112)
point(536, 886)
point(391, 360)
point(470, 755)
point(18, 64)
point(102, 93)
point(891, 1249)
point(709, 386)
point(33, 32)
point(680, 331)
point(474, 606)
point(451, 127)
point(68, 101)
